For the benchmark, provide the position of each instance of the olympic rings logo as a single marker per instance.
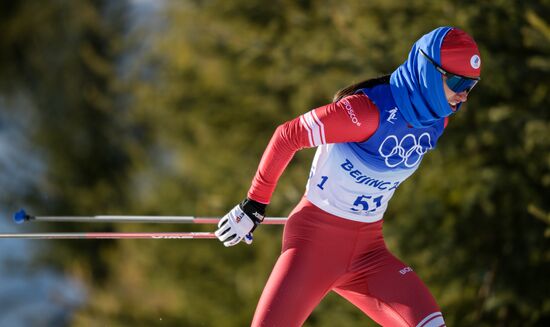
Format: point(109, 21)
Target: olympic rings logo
point(408, 151)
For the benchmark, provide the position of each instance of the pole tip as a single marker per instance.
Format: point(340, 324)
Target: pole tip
point(20, 216)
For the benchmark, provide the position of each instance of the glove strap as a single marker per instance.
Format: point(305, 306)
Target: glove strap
point(253, 209)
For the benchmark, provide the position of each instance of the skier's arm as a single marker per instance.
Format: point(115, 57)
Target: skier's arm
point(352, 119)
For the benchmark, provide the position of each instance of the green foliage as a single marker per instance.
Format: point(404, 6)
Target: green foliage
point(173, 120)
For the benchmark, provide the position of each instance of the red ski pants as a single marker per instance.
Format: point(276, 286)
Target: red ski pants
point(323, 253)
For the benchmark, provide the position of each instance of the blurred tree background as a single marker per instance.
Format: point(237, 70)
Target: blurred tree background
point(169, 114)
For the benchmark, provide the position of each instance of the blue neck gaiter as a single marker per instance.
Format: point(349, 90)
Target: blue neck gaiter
point(417, 87)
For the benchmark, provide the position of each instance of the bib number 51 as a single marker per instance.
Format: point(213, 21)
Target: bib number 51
point(366, 203)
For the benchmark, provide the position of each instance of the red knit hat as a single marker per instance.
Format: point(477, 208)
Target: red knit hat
point(459, 54)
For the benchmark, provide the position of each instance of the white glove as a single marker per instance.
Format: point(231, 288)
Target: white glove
point(238, 225)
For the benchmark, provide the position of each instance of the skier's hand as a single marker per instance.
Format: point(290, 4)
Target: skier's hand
point(240, 222)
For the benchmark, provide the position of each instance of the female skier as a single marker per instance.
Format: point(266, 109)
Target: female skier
point(370, 139)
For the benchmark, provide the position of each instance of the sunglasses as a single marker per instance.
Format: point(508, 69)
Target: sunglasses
point(456, 83)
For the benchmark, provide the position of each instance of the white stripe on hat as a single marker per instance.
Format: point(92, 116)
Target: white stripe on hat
point(432, 320)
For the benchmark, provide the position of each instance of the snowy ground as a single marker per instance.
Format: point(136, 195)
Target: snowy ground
point(32, 296)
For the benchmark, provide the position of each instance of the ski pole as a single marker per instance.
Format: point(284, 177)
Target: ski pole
point(97, 236)
point(21, 216)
